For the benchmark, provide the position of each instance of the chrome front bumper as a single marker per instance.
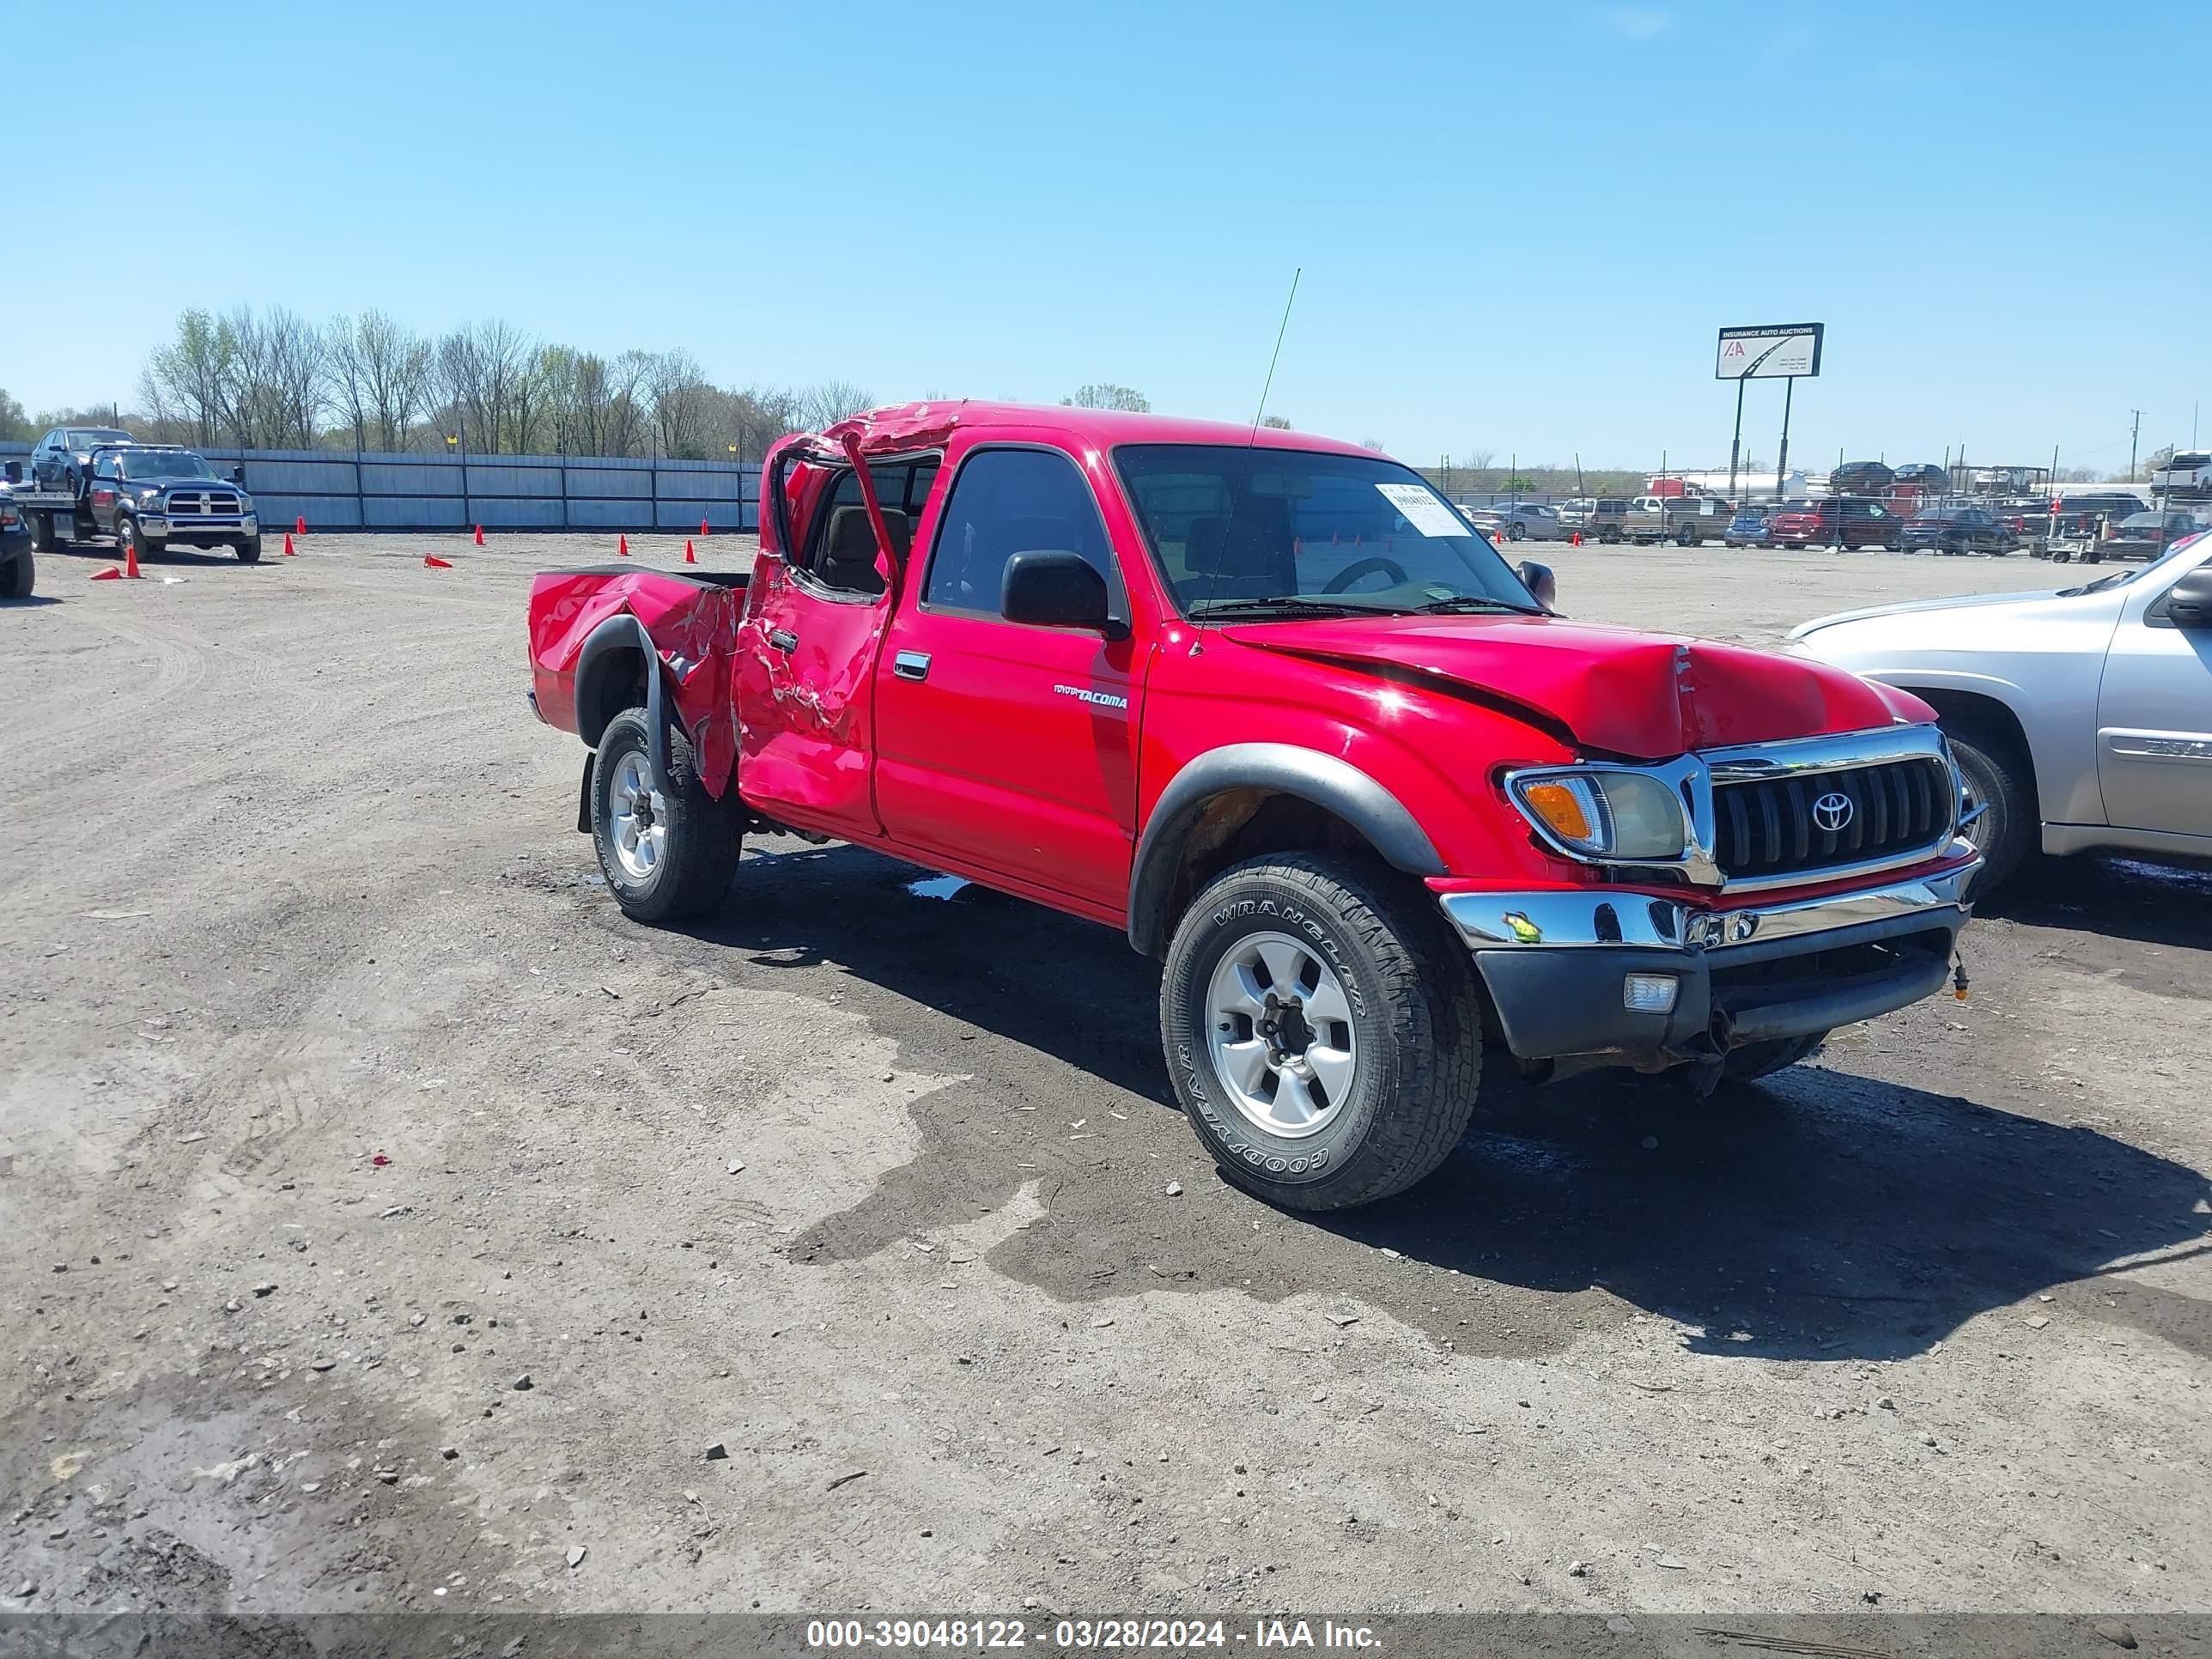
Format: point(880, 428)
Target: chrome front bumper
point(1556, 964)
point(157, 527)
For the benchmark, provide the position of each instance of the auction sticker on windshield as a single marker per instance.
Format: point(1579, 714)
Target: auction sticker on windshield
point(1423, 510)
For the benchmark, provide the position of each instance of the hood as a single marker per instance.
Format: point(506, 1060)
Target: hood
point(1620, 690)
point(1911, 607)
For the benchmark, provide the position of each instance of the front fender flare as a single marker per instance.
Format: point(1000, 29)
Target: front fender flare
point(1326, 780)
point(618, 632)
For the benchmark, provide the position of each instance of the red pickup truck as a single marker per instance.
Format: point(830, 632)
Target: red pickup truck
point(1266, 704)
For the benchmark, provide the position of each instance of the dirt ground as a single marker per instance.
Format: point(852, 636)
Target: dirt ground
point(391, 1225)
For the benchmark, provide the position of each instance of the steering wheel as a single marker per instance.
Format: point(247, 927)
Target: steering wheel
point(1369, 567)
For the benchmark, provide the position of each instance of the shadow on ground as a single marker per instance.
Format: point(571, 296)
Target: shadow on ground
point(1822, 1216)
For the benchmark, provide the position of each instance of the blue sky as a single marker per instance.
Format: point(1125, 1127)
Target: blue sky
point(1519, 226)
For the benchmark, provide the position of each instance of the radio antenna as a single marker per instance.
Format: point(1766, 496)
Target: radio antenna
point(1270, 385)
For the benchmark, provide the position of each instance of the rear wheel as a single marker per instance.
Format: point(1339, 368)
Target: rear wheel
point(668, 854)
point(42, 533)
point(1322, 1030)
point(1515, 531)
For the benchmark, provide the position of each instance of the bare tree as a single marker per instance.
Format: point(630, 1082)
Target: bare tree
point(189, 379)
point(1106, 395)
point(1374, 444)
point(828, 402)
point(477, 370)
point(379, 375)
point(1276, 421)
point(272, 394)
point(681, 403)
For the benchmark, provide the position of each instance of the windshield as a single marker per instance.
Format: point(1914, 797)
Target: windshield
point(84, 438)
point(162, 464)
point(1236, 530)
point(2122, 578)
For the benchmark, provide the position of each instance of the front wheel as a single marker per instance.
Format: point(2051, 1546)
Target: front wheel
point(249, 551)
point(1997, 777)
point(128, 539)
point(1322, 1029)
point(16, 576)
point(666, 855)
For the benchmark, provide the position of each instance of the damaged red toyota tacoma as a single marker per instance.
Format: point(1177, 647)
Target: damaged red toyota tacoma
point(1266, 704)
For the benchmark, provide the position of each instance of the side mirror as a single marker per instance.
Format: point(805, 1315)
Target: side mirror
point(15, 472)
point(1539, 579)
point(2189, 601)
point(1054, 588)
point(238, 475)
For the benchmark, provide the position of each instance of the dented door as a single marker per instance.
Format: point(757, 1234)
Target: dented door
point(804, 691)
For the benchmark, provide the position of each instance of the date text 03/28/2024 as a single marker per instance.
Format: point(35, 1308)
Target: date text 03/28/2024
point(1084, 1634)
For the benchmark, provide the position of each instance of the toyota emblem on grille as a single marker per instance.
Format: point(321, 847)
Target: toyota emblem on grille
point(1833, 811)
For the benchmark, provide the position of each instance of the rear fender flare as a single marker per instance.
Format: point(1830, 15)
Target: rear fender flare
point(594, 661)
point(1326, 780)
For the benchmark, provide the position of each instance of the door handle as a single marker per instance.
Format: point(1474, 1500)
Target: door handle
point(783, 639)
point(911, 665)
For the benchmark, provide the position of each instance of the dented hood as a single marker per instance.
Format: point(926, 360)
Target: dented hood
point(1621, 690)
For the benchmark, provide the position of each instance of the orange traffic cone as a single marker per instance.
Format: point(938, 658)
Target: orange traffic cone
point(1575, 540)
point(431, 561)
point(703, 530)
point(300, 524)
point(479, 535)
point(110, 574)
point(622, 545)
point(130, 562)
point(288, 553)
point(690, 557)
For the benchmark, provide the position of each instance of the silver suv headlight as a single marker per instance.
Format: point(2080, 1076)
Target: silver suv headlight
point(1602, 813)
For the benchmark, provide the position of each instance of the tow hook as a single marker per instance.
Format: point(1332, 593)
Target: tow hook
point(1958, 979)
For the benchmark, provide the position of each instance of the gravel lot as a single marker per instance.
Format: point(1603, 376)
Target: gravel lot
point(834, 1240)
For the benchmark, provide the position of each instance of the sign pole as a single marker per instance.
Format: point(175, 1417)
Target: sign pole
point(1735, 444)
point(1781, 463)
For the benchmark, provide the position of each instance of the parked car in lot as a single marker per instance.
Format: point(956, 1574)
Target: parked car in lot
point(17, 568)
point(1861, 478)
point(2081, 719)
point(1956, 530)
point(2147, 535)
point(1686, 520)
point(1384, 797)
point(2081, 512)
point(62, 459)
point(1746, 527)
point(1604, 519)
point(2186, 472)
point(1574, 514)
point(1834, 523)
point(1532, 521)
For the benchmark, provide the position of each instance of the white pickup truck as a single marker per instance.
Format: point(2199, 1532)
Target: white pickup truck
point(2080, 719)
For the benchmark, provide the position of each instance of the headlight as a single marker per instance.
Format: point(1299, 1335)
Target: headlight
point(1611, 815)
point(148, 497)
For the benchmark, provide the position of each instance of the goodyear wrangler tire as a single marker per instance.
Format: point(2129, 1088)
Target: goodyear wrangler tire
point(666, 855)
point(1322, 1030)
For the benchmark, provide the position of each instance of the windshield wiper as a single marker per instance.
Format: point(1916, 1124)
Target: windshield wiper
point(1464, 603)
point(1277, 605)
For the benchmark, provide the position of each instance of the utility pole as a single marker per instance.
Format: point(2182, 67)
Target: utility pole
point(1782, 460)
point(2134, 432)
point(1735, 444)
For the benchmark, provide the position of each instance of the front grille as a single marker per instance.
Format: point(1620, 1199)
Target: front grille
point(1774, 826)
point(190, 502)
